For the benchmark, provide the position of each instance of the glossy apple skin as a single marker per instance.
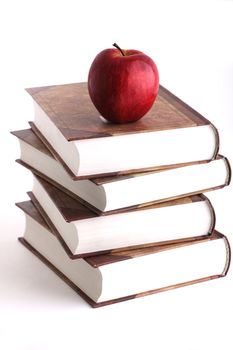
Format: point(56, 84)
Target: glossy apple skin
point(123, 88)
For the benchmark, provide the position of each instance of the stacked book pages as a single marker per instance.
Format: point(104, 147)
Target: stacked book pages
point(118, 211)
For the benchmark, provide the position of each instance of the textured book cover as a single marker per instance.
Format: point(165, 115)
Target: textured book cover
point(71, 110)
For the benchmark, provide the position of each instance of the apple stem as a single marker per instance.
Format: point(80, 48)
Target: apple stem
point(118, 47)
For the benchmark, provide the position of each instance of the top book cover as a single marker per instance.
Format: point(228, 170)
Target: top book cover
point(65, 114)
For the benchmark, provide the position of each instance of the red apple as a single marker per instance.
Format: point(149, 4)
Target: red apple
point(123, 84)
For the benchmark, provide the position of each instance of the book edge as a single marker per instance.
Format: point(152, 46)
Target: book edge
point(113, 301)
point(118, 253)
point(104, 177)
point(100, 178)
point(94, 209)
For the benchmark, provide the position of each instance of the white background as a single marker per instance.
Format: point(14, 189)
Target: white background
point(53, 42)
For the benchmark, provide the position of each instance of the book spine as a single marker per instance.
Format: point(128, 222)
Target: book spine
point(217, 141)
point(229, 172)
point(228, 256)
point(212, 213)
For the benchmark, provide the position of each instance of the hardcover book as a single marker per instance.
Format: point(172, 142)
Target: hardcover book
point(88, 146)
point(115, 277)
point(108, 194)
point(82, 232)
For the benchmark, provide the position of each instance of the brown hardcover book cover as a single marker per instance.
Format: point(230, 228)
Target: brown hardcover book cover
point(70, 109)
point(97, 261)
point(28, 136)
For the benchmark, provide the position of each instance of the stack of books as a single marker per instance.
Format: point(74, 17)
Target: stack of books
point(118, 210)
